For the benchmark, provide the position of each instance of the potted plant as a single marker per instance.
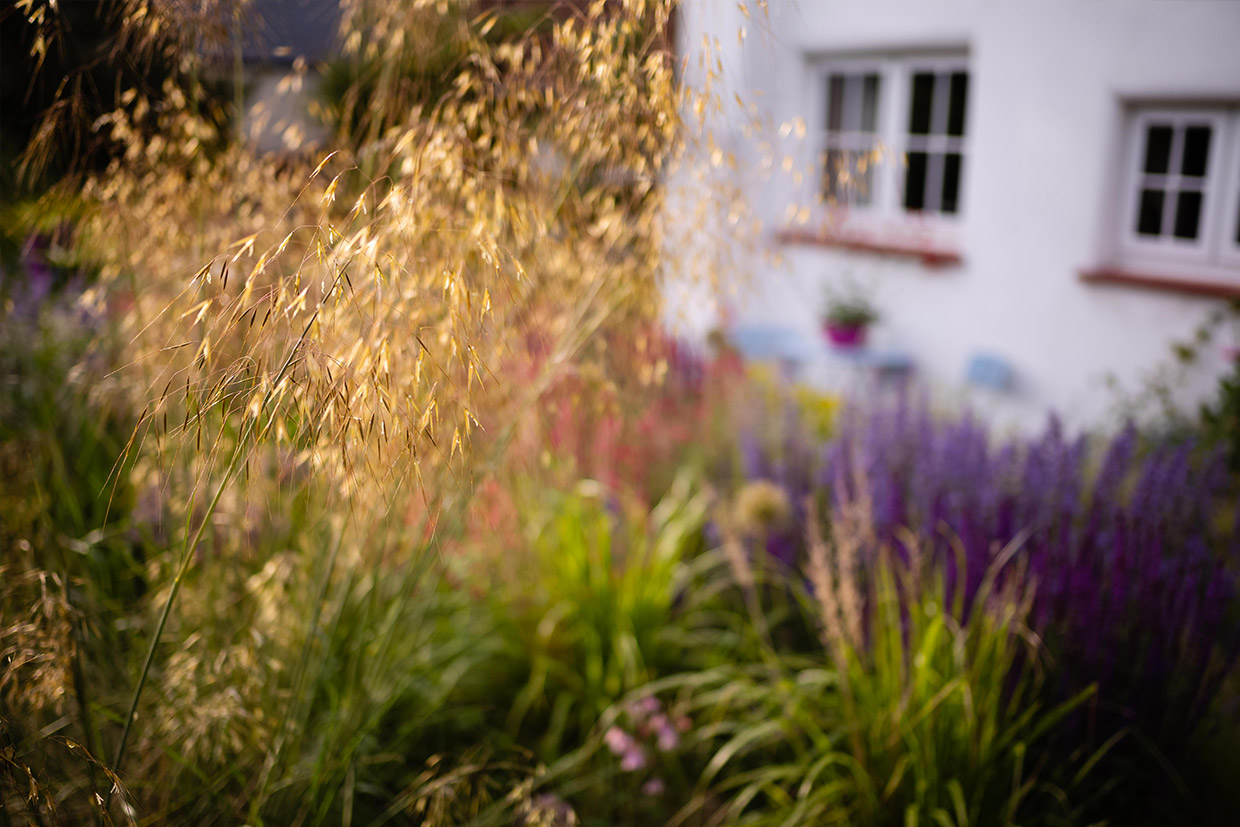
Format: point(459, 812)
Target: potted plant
point(847, 318)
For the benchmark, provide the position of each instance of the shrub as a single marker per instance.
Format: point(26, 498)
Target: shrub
point(905, 715)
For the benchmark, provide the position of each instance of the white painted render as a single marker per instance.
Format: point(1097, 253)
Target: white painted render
point(279, 117)
point(1049, 83)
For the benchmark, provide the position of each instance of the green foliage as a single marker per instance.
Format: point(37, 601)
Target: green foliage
point(1160, 400)
point(920, 720)
point(66, 502)
point(1220, 418)
point(325, 690)
point(599, 602)
point(848, 306)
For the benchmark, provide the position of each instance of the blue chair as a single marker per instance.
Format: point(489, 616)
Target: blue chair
point(784, 346)
point(770, 343)
point(989, 372)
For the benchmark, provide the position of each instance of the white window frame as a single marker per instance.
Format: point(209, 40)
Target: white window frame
point(848, 141)
point(1214, 254)
point(1229, 241)
point(885, 210)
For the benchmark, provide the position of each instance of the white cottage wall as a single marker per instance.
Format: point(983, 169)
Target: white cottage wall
point(1048, 85)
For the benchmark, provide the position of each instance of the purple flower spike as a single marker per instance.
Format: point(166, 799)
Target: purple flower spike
point(1135, 564)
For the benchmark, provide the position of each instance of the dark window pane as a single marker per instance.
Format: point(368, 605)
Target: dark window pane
point(1196, 150)
point(951, 182)
point(1187, 214)
point(915, 181)
point(919, 113)
point(1157, 149)
point(869, 104)
point(1149, 216)
point(835, 102)
point(957, 101)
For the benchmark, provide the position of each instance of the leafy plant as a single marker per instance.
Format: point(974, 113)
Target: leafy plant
point(849, 308)
point(599, 603)
point(904, 716)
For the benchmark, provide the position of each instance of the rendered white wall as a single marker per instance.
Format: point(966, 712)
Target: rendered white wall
point(1047, 81)
point(278, 116)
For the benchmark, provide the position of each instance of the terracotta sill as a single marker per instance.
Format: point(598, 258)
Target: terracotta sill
point(1169, 282)
point(928, 255)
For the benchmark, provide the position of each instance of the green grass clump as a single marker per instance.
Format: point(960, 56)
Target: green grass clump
point(908, 714)
point(595, 616)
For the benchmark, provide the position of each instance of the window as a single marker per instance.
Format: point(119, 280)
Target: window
point(893, 134)
point(1181, 190)
point(852, 140)
point(934, 148)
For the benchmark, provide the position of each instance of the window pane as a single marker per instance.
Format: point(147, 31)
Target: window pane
point(915, 181)
point(831, 167)
point(1187, 214)
point(1149, 215)
point(951, 182)
point(1158, 149)
point(835, 102)
point(869, 104)
point(852, 103)
point(919, 113)
point(1196, 150)
point(956, 107)
point(862, 171)
point(846, 177)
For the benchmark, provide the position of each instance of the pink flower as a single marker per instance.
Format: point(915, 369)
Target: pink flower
point(633, 760)
point(653, 787)
point(646, 707)
point(668, 738)
point(619, 741)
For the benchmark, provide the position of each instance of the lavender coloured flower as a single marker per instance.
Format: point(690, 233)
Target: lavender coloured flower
point(618, 741)
point(666, 736)
point(633, 759)
point(1136, 583)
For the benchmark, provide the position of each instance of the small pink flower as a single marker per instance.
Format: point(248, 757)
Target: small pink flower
point(668, 738)
point(618, 741)
point(633, 760)
point(653, 787)
point(646, 707)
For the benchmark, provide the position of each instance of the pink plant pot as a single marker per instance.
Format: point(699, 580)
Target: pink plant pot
point(845, 336)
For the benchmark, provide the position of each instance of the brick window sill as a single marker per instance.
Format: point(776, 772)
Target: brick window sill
point(1167, 282)
point(929, 255)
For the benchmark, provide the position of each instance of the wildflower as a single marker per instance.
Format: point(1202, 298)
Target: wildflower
point(761, 507)
point(634, 759)
point(617, 740)
point(667, 736)
point(621, 743)
point(653, 787)
point(645, 708)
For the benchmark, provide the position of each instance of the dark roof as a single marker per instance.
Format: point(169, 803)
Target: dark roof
point(285, 30)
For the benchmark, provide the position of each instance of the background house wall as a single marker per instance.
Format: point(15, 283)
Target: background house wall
point(285, 45)
point(1048, 81)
